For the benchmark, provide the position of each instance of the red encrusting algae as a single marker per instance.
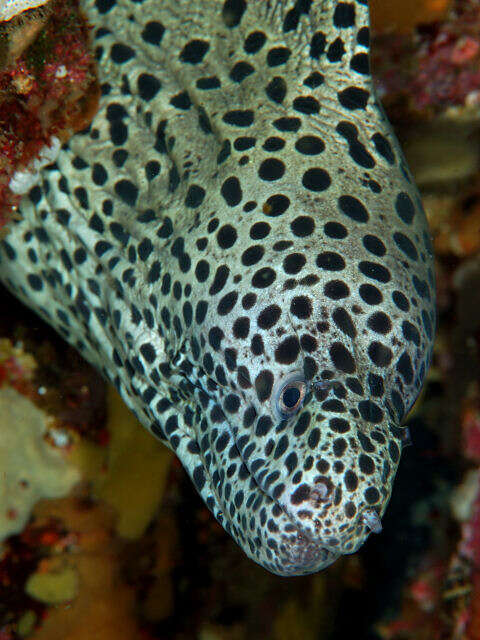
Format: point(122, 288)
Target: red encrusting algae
point(48, 90)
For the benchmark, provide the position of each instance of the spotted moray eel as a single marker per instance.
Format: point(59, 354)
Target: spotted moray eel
point(237, 245)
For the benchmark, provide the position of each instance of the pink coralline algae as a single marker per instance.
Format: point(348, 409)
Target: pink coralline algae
point(440, 64)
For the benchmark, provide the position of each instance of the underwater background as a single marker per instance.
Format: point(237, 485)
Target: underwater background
point(102, 534)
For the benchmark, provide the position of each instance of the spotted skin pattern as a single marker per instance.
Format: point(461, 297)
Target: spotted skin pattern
point(238, 221)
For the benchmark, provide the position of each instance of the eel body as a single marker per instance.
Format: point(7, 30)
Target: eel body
point(237, 244)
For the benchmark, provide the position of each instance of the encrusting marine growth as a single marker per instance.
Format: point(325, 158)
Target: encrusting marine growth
point(236, 243)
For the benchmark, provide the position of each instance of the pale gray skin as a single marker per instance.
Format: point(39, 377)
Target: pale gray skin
point(139, 247)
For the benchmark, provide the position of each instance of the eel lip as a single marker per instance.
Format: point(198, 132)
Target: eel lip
point(305, 556)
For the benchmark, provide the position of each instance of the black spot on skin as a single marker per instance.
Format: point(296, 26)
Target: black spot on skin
point(363, 37)
point(335, 230)
point(252, 255)
point(292, 18)
point(317, 45)
point(243, 143)
point(342, 358)
point(226, 236)
point(336, 50)
point(339, 447)
point(314, 80)
point(257, 345)
point(104, 6)
point(282, 245)
point(404, 207)
point(205, 84)
point(215, 337)
point(263, 385)
point(374, 271)
point(366, 464)
point(231, 191)
point(249, 300)
point(302, 226)
point(269, 317)
point(374, 245)
point(316, 179)
point(227, 303)
point(384, 148)
point(259, 230)
point(310, 145)
point(278, 56)
point(263, 278)
point(330, 261)
point(336, 289)
point(301, 307)
point(405, 245)
point(404, 367)
point(241, 327)
point(394, 451)
point(254, 42)
point(120, 53)
point(306, 104)
point(203, 120)
point(194, 51)
point(302, 424)
point(239, 117)
point(400, 301)
point(221, 276)
point(195, 196)
point(240, 71)
point(99, 174)
point(375, 384)
point(271, 169)
point(379, 354)
point(353, 98)
point(264, 425)
point(344, 15)
point(148, 86)
point(410, 333)
point(360, 64)
point(294, 263)
point(370, 412)
point(301, 494)
point(339, 425)
point(153, 32)
point(344, 322)
point(232, 12)
point(370, 294)
point(181, 101)
point(351, 480)
point(291, 462)
point(353, 208)
point(274, 143)
point(287, 124)
point(379, 322)
point(35, 282)
point(276, 89)
point(198, 477)
point(372, 496)
point(288, 350)
point(276, 205)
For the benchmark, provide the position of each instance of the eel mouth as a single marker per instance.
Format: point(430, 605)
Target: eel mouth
point(305, 551)
point(302, 554)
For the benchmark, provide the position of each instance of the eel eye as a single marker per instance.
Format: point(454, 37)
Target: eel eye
point(290, 395)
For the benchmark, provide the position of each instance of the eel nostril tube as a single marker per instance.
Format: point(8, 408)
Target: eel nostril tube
point(319, 493)
point(371, 519)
